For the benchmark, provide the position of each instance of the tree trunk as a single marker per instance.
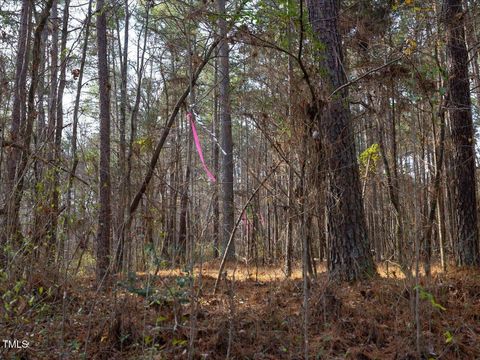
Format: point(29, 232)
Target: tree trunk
point(350, 257)
point(182, 229)
point(122, 206)
point(59, 126)
point(26, 129)
point(462, 136)
point(290, 214)
point(125, 231)
point(104, 213)
point(76, 109)
point(10, 223)
point(291, 210)
point(216, 157)
point(226, 134)
point(39, 222)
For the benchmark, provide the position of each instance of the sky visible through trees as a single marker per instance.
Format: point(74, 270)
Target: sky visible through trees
point(238, 179)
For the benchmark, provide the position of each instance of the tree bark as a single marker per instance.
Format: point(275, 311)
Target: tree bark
point(350, 257)
point(26, 128)
point(226, 134)
point(462, 135)
point(124, 231)
point(10, 221)
point(59, 126)
point(291, 210)
point(216, 158)
point(104, 214)
point(122, 206)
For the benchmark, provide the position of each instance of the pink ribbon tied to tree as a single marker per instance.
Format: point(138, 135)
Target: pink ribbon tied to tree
point(199, 147)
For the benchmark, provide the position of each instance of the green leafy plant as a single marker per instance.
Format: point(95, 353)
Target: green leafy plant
point(448, 337)
point(179, 342)
point(369, 158)
point(425, 295)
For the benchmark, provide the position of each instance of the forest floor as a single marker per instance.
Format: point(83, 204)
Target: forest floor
point(256, 315)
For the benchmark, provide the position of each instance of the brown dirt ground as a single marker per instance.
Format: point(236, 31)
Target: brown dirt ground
point(262, 311)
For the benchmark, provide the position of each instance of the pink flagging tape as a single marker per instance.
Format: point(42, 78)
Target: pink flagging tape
point(262, 220)
point(199, 148)
point(246, 223)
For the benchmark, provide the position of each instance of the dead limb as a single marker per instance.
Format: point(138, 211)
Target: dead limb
point(166, 131)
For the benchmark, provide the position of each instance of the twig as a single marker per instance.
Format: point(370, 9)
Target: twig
point(7, 143)
point(351, 82)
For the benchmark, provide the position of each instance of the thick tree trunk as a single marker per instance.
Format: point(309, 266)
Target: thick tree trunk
point(19, 92)
point(226, 134)
point(10, 221)
point(462, 134)
point(472, 42)
point(104, 214)
point(184, 200)
point(350, 257)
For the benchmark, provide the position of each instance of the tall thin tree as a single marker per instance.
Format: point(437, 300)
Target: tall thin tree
point(225, 133)
point(104, 214)
point(10, 219)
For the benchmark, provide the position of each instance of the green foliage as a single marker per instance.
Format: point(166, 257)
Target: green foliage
point(160, 319)
point(425, 295)
point(21, 304)
point(448, 337)
point(369, 158)
point(158, 296)
point(179, 342)
point(148, 340)
point(157, 261)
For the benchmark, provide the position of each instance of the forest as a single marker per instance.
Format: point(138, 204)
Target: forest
point(239, 179)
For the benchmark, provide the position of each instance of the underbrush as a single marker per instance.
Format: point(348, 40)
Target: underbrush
point(251, 317)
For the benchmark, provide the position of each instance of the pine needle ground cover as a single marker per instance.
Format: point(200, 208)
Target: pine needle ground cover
point(256, 314)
